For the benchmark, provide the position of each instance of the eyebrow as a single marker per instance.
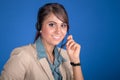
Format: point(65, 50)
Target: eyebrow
point(52, 22)
point(56, 22)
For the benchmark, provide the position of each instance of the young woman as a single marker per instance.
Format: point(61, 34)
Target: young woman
point(43, 60)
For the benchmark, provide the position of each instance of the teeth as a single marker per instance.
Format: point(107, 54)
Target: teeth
point(56, 37)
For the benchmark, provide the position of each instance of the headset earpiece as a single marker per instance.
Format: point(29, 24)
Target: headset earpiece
point(38, 27)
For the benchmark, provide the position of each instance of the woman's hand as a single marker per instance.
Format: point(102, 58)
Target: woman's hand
point(73, 49)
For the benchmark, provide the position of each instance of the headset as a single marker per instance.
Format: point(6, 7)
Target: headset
point(38, 26)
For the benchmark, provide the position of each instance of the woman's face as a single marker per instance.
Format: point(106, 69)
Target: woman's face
point(53, 30)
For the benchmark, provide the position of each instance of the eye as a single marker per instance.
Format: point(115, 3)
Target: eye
point(51, 24)
point(64, 25)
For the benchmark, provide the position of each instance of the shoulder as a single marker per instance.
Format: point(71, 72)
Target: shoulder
point(23, 50)
point(22, 54)
point(18, 63)
point(17, 50)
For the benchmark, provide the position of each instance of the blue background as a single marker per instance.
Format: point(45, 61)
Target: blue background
point(95, 24)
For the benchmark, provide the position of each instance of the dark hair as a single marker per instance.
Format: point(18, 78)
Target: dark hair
point(57, 9)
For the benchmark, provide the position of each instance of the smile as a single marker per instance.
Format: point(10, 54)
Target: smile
point(56, 37)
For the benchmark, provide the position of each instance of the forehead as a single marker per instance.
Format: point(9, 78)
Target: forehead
point(52, 17)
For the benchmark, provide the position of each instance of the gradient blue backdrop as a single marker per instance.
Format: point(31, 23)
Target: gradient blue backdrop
point(95, 24)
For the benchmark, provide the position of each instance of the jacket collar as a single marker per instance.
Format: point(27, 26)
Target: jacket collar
point(41, 54)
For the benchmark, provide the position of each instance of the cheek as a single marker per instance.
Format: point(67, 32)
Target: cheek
point(64, 32)
point(46, 32)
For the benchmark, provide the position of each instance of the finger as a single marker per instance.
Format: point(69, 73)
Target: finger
point(71, 45)
point(69, 42)
point(69, 37)
point(78, 47)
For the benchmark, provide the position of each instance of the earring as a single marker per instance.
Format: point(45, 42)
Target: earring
point(40, 31)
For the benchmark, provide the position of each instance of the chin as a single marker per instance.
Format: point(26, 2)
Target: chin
point(56, 43)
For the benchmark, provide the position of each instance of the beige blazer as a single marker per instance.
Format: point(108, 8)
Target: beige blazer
point(24, 64)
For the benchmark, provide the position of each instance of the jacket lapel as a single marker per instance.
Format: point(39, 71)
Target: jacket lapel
point(62, 71)
point(46, 68)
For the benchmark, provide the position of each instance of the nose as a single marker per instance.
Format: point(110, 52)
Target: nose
point(58, 30)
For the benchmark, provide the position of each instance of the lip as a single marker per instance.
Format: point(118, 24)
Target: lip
point(57, 37)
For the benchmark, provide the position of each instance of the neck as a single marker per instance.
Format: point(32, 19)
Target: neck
point(48, 47)
point(49, 51)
